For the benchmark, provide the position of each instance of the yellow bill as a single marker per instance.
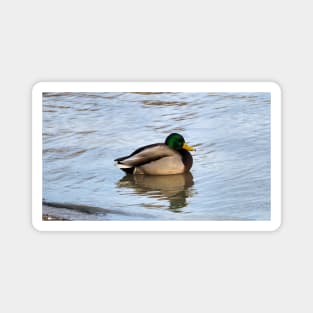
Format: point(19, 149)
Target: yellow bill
point(189, 148)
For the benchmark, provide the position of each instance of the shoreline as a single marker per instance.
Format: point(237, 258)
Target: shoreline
point(49, 217)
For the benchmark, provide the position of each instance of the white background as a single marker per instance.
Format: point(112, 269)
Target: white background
point(155, 40)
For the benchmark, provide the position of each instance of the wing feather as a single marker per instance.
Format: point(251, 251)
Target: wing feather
point(146, 154)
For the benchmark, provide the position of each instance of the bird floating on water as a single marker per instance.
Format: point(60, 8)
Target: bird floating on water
point(171, 157)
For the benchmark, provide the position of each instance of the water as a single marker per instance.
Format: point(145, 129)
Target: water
point(84, 132)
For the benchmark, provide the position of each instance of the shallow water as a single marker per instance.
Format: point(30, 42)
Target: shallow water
point(84, 132)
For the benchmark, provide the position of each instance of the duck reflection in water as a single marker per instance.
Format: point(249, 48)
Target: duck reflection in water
point(174, 188)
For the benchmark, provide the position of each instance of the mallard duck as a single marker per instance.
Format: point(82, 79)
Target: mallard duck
point(171, 157)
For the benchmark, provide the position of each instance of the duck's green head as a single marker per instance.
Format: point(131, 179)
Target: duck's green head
point(177, 141)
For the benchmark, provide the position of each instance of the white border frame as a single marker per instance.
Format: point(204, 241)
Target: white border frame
point(276, 164)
